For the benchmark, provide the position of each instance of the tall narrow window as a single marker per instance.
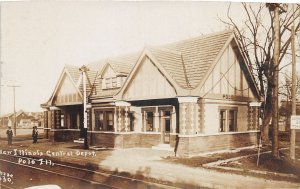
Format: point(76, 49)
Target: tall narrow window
point(222, 120)
point(99, 126)
point(149, 121)
point(231, 120)
point(110, 121)
point(131, 116)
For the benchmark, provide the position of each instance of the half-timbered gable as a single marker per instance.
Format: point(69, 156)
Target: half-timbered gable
point(227, 79)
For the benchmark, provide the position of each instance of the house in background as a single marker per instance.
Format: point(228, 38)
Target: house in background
point(23, 119)
point(285, 112)
point(192, 96)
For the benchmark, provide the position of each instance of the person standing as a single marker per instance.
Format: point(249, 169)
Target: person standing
point(9, 134)
point(35, 134)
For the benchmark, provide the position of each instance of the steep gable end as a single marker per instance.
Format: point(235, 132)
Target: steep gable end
point(148, 82)
point(66, 92)
point(228, 77)
point(108, 72)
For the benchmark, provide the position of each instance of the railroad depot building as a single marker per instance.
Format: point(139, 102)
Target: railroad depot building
point(192, 96)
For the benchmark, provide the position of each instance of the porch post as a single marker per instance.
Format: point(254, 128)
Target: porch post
point(183, 118)
point(126, 118)
point(197, 119)
point(121, 104)
point(187, 114)
point(138, 118)
point(115, 120)
point(192, 118)
point(145, 122)
point(119, 120)
point(173, 117)
point(162, 128)
point(156, 119)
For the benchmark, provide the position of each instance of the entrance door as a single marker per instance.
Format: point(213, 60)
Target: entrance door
point(167, 125)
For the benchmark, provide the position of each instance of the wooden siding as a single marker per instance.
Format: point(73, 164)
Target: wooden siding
point(67, 93)
point(227, 77)
point(148, 83)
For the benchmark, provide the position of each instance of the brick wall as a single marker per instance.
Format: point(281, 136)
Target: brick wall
point(253, 118)
point(64, 135)
point(189, 146)
point(112, 140)
point(201, 115)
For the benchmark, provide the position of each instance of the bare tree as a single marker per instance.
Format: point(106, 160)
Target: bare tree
point(285, 89)
point(255, 36)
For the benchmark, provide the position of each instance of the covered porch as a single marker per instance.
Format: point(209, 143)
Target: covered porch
point(142, 123)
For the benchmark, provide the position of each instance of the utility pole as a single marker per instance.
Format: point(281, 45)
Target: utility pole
point(293, 91)
point(83, 70)
point(0, 59)
point(15, 117)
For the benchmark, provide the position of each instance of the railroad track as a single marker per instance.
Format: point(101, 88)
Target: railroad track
point(93, 178)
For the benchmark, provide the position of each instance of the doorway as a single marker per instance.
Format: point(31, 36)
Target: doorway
point(166, 127)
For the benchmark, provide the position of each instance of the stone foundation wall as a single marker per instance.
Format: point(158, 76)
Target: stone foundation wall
point(189, 146)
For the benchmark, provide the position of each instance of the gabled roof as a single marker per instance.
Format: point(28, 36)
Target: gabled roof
point(122, 65)
point(90, 83)
point(173, 63)
point(188, 63)
point(185, 64)
point(73, 73)
point(12, 114)
point(198, 54)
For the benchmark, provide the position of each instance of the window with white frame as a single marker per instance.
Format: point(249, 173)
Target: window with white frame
point(109, 83)
point(228, 119)
point(104, 120)
point(114, 82)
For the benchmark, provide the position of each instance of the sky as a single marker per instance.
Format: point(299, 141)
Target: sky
point(39, 37)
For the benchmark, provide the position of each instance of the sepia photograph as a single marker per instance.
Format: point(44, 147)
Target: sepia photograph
point(149, 94)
